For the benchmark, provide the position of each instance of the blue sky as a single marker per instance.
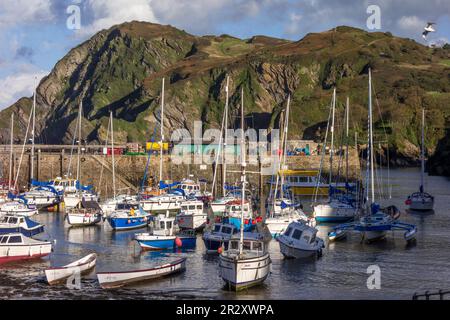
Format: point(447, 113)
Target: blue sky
point(34, 35)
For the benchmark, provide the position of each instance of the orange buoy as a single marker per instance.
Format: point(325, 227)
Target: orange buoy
point(178, 242)
point(220, 250)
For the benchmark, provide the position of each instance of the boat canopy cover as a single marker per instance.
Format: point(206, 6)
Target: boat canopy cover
point(178, 191)
point(19, 198)
point(90, 205)
point(50, 188)
point(30, 223)
point(163, 185)
point(37, 183)
point(79, 186)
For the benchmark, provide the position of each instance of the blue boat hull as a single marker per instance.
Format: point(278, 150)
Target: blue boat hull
point(214, 245)
point(188, 242)
point(159, 244)
point(127, 223)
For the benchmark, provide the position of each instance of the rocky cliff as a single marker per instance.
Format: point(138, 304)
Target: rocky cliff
point(120, 70)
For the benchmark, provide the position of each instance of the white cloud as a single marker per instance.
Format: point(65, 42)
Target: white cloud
point(14, 12)
point(293, 27)
point(106, 13)
point(17, 86)
point(411, 23)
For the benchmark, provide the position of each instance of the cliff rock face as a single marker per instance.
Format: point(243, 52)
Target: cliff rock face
point(120, 70)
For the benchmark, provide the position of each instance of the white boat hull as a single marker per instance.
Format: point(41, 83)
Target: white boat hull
point(118, 279)
point(296, 253)
point(421, 205)
point(81, 267)
point(239, 274)
point(334, 212)
point(78, 219)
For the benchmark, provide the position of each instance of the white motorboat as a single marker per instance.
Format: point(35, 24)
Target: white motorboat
point(246, 261)
point(87, 213)
point(192, 215)
point(24, 225)
point(82, 266)
point(247, 264)
point(162, 203)
point(16, 246)
point(335, 211)
point(18, 208)
point(43, 197)
point(300, 241)
point(277, 224)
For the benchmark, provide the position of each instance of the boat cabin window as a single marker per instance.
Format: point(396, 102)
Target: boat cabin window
point(303, 179)
point(234, 245)
point(257, 246)
point(217, 228)
point(13, 220)
point(184, 207)
point(169, 224)
point(191, 207)
point(15, 239)
point(247, 245)
point(287, 233)
point(296, 234)
point(199, 207)
point(3, 239)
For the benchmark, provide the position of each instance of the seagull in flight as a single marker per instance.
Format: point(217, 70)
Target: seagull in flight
point(428, 29)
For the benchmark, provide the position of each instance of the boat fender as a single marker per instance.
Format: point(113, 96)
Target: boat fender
point(129, 221)
point(220, 250)
point(178, 242)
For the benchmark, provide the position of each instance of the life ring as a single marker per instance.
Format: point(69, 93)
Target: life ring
point(83, 159)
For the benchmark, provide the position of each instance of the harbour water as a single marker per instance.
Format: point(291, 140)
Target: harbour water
point(341, 273)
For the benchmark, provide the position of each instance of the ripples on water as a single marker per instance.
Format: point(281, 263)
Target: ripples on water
point(339, 274)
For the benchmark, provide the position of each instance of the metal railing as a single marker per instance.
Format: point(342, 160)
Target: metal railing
point(427, 295)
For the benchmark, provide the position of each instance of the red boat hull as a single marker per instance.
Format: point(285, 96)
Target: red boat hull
point(19, 258)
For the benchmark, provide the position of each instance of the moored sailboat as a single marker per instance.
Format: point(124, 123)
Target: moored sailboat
point(421, 201)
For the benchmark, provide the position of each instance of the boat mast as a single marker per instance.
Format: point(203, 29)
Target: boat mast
point(243, 174)
point(11, 152)
point(224, 163)
point(347, 110)
point(286, 124)
point(32, 130)
point(372, 178)
point(162, 134)
point(79, 145)
point(112, 154)
point(422, 152)
point(332, 137)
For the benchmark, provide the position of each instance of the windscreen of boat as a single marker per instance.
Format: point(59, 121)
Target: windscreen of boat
point(216, 228)
point(90, 204)
point(296, 234)
point(125, 206)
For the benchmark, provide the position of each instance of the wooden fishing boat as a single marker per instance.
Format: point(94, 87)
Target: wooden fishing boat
point(82, 266)
point(109, 280)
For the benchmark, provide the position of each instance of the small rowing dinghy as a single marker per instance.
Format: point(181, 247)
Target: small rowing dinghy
point(83, 266)
point(109, 280)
